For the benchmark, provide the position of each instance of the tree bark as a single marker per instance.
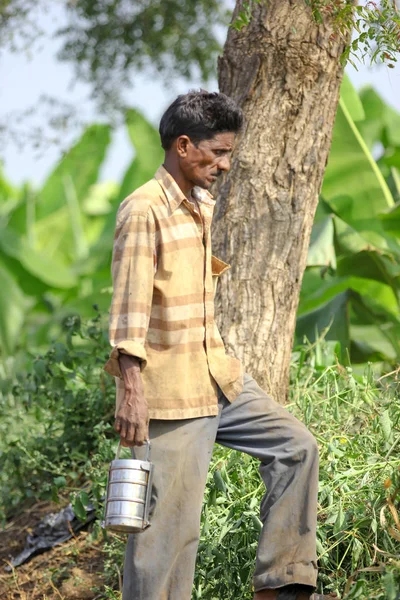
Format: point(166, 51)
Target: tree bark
point(284, 70)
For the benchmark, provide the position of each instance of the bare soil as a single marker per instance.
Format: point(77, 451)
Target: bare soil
point(71, 571)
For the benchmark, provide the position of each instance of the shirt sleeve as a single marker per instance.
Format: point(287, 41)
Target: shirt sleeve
point(133, 266)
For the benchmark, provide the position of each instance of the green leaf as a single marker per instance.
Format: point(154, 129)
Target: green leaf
point(356, 551)
point(351, 99)
point(7, 191)
point(349, 240)
point(98, 200)
point(82, 163)
point(353, 184)
point(391, 587)
point(13, 305)
point(219, 482)
point(381, 123)
point(22, 216)
point(85, 499)
point(78, 508)
point(378, 295)
point(38, 264)
point(333, 315)
point(321, 251)
point(374, 342)
point(340, 520)
point(136, 175)
point(370, 265)
point(75, 218)
point(257, 523)
point(386, 425)
point(391, 221)
point(60, 481)
point(393, 181)
point(148, 153)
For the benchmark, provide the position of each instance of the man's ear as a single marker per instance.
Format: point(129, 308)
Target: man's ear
point(182, 145)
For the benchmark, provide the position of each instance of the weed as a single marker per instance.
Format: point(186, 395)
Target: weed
point(57, 439)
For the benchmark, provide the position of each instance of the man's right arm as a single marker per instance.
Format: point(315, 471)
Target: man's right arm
point(133, 280)
point(132, 419)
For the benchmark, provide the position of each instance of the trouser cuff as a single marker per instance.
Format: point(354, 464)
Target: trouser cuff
point(301, 573)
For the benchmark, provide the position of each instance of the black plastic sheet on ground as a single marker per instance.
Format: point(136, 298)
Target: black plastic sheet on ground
point(53, 529)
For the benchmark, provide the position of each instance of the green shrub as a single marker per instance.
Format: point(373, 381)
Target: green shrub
point(57, 439)
point(55, 418)
point(355, 420)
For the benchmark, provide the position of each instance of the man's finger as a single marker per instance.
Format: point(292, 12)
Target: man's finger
point(130, 434)
point(141, 434)
point(117, 425)
point(123, 430)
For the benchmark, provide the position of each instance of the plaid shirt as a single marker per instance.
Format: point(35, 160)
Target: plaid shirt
point(162, 308)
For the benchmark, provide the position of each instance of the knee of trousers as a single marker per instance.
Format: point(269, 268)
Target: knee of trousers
point(304, 445)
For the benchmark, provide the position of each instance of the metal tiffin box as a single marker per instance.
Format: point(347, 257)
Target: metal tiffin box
point(129, 493)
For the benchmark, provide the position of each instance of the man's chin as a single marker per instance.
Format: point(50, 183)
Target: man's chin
point(205, 184)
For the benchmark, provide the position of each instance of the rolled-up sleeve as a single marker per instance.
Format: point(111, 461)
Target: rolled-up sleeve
point(133, 266)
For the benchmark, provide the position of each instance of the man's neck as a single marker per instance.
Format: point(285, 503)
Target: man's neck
point(174, 170)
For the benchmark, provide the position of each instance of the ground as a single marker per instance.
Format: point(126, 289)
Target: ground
point(71, 571)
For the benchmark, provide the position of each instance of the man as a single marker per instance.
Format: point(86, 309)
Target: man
point(171, 367)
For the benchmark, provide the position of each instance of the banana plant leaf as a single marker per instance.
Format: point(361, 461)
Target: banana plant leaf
point(148, 157)
point(7, 191)
point(53, 273)
point(321, 251)
point(371, 265)
point(393, 181)
point(391, 221)
point(377, 295)
point(352, 175)
point(352, 99)
point(353, 186)
point(348, 317)
point(82, 163)
point(371, 343)
point(330, 318)
point(148, 153)
point(13, 306)
point(381, 123)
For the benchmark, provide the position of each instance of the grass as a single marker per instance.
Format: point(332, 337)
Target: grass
point(355, 419)
point(59, 449)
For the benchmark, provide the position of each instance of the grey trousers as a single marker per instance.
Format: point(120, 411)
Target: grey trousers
point(160, 562)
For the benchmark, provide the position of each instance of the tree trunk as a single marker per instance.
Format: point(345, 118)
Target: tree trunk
point(284, 71)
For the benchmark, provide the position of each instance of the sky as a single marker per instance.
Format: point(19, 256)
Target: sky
point(24, 79)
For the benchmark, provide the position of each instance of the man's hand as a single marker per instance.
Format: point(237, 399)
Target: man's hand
point(132, 420)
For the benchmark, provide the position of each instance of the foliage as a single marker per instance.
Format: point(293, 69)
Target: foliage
point(110, 41)
point(56, 242)
point(356, 422)
point(351, 283)
point(375, 25)
point(244, 14)
point(56, 433)
point(55, 416)
point(163, 36)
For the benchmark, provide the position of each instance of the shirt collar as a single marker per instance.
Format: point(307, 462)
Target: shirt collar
point(173, 192)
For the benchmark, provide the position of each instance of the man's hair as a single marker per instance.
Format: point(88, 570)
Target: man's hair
point(199, 115)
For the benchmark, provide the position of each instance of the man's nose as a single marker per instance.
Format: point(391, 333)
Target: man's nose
point(224, 164)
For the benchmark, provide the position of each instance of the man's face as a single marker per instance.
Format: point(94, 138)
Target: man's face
point(202, 164)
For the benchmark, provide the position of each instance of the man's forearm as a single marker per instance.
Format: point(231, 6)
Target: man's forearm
point(130, 369)
point(132, 421)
